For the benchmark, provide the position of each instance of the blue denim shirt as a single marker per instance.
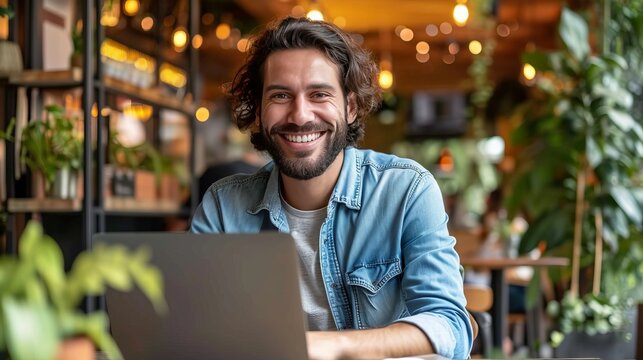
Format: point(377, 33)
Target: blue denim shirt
point(385, 251)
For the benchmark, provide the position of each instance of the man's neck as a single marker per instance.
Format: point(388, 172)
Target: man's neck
point(314, 193)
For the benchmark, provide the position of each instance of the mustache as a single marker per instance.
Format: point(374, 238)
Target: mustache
point(306, 128)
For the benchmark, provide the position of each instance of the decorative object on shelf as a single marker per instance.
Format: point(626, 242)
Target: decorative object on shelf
point(579, 179)
point(10, 54)
point(52, 147)
point(140, 171)
point(39, 302)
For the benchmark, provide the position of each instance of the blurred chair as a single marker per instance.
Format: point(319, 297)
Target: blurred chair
point(479, 301)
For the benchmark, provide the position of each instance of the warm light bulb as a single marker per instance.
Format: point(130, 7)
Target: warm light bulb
point(475, 47)
point(197, 41)
point(315, 15)
point(110, 14)
point(147, 23)
point(460, 14)
point(406, 34)
point(179, 38)
point(202, 114)
point(131, 7)
point(422, 47)
point(222, 31)
point(528, 71)
point(242, 45)
point(385, 79)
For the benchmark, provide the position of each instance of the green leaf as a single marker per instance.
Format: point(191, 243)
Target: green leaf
point(551, 228)
point(150, 280)
point(627, 202)
point(50, 265)
point(31, 331)
point(539, 60)
point(574, 33)
point(112, 265)
point(97, 325)
point(594, 155)
point(623, 120)
point(533, 290)
point(30, 239)
point(35, 292)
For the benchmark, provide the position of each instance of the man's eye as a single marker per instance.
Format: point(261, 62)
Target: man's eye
point(279, 96)
point(320, 95)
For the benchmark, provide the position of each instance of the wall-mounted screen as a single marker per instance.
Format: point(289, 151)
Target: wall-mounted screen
point(438, 114)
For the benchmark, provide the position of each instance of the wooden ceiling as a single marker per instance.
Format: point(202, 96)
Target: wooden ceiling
point(530, 23)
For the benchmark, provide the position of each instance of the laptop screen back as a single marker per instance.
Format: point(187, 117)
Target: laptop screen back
point(230, 296)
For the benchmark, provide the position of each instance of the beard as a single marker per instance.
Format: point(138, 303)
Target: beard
point(303, 166)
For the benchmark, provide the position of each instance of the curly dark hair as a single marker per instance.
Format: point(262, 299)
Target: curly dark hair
point(358, 71)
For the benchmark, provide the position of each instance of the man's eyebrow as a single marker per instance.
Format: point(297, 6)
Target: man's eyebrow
point(313, 86)
point(320, 86)
point(277, 87)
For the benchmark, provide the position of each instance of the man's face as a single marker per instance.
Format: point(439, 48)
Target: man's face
point(303, 112)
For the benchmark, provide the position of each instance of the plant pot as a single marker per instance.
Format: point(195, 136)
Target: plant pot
point(79, 348)
point(605, 346)
point(144, 185)
point(170, 188)
point(10, 58)
point(65, 184)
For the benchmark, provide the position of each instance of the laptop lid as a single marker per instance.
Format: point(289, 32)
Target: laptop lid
point(230, 296)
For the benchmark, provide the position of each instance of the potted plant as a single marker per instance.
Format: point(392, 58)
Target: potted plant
point(137, 170)
point(10, 55)
point(578, 179)
point(39, 303)
point(53, 147)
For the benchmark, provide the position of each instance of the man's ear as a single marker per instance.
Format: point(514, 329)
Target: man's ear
point(351, 108)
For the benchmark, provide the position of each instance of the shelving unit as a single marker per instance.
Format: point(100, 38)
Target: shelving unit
point(95, 87)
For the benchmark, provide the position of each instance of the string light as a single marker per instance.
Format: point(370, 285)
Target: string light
point(460, 14)
point(385, 77)
point(528, 71)
point(131, 7)
point(315, 15)
point(202, 114)
point(406, 34)
point(222, 31)
point(179, 38)
point(475, 47)
point(147, 23)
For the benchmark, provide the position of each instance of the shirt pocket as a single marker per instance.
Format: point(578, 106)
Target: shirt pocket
point(376, 295)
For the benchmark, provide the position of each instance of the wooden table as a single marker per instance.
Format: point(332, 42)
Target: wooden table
point(497, 265)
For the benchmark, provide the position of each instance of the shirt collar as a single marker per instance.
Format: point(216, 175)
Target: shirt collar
point(348, 189)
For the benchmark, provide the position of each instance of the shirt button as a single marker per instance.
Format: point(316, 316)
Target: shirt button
point(335, 285)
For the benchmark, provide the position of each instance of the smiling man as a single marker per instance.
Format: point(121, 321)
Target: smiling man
point(379, 274)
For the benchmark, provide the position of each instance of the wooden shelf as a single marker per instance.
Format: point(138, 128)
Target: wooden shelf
point(44, 205)
point(131, 205)
point(74, 77)
point(152, 96)
point(112, 205)
point(43, 79)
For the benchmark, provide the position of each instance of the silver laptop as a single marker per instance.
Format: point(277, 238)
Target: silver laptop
point(230, 296)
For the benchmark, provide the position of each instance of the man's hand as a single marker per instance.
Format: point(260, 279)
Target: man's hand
point(396, 340)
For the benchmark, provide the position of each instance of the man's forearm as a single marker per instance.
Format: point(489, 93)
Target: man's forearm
point(395, 340)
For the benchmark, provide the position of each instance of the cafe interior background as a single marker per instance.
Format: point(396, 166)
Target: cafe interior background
point(528, 113)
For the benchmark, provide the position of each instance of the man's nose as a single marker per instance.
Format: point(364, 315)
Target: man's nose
point(302, 111)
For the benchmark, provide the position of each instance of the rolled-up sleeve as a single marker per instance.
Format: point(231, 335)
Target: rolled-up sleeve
point(432, 282)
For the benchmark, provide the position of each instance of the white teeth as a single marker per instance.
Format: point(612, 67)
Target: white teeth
point(304, 138)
